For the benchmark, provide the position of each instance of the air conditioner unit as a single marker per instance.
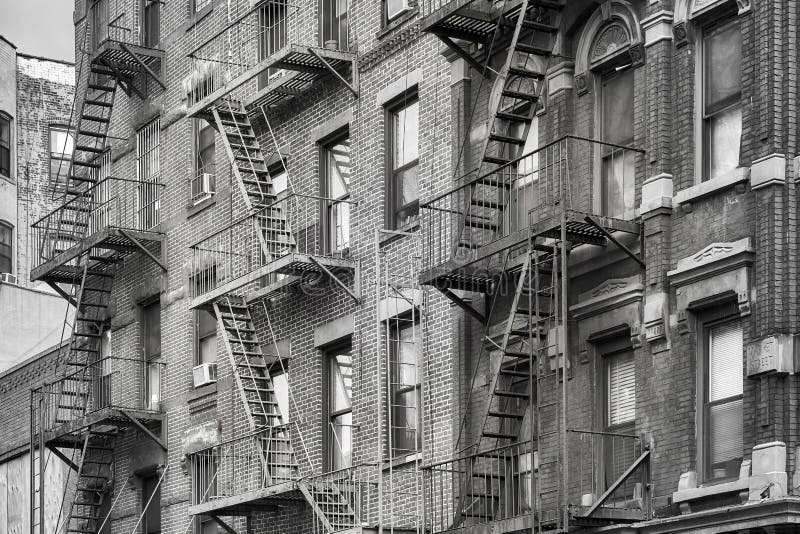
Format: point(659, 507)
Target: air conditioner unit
point(8, 278)
point(205, 373)
point(395, 8)
point(208, 185)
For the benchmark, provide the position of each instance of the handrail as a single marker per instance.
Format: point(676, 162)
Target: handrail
point(270, 206)
point(83, 194)
point(519, 159)
point(99, 362)
point(243, 437)
point(477, 454)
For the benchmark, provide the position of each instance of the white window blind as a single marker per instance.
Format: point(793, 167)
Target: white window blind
point(621, 389)
point(725, 362)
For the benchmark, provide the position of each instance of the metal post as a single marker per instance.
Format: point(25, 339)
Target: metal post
point(379, 417)
point(563, 369)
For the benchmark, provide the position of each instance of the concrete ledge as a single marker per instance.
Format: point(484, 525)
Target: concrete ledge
point(691, 494)
point(704, 189)
point(769, 170)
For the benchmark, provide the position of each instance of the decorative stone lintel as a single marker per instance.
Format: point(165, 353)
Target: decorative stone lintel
point(769, 170)
point(656, 193)
point(613, 303)
point(561, 78)
point(657, 27)
point(717, 271)
point(581, 84)
point(772, 354)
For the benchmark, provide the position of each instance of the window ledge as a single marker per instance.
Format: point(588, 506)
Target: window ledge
point(401, 461)
point(395, 24)
point(6, 179)
point(705, 189)
point(711, 490)
point(196, 207)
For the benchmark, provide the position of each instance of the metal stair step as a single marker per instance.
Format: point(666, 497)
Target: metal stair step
point(104, 88)
point(84, 148)
point(498, 435)
point(505, 415)
point(506, 139)
point(519, 95)
point(513, 117)
point(525, 73)
point(95, 118)
point(98, 103)
point(510, 394)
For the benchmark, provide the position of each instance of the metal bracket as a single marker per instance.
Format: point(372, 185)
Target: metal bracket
point(63, 293)
point(338, 282)
point(143, 65)
point(614, 240)
point(221, 523)
point(485, 71)
point(64, 458)
point(144, 249)
point(460, 303)
point(144, 429)
point(334, 72)
point(621, 480)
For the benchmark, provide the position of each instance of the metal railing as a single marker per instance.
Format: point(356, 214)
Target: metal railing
point(345, 497)
point(119, 383)
point(292, 224)
point(513, 481)
point(116, 20)
point(110, 203)
point(248, 463)
point(428, 7)
point(251, 34)
point(559, 175)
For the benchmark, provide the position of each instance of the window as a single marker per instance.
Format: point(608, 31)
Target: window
point(333, 24)
point(279, 177)
point(204, 479)
point(6, 248)
point(5, 145)
point(523, 478)
point(403, 186)
point(199, 5)
point(721, 72)
point(61, 145)
point(525, 192)
point(151, 493)
point(99, 23)
point(617, 189)
point(393, 9)
point(404, 386)
point(620, 390)
point(103, 385)
point(205, 165)
point(151, 353)
point(340, 406)
point(148, 172)
point(151, 22)
point(723, 384)
point(206, 328)
point(272, 36)
point(337, 191)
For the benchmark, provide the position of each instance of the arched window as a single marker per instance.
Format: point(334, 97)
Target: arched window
point(6, 248)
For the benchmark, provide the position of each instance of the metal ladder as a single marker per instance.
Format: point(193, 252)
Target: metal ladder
point(95, 480)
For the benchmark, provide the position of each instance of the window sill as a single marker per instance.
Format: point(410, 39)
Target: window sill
point(6, 179)
point(387, 238)
point(402, 461)
point(397, 23)
point(711, 187)
point(196, 207)
point(711, 490)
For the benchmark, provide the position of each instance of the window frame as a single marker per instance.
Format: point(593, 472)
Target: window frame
point(392, 109)
point(198, 127)
point(150, 361)
point(148, 175)
point(147, 36)
point(60, 156)
point(329, 353)
point(7, 146)
point(6, 226)
point(200, 336)
point(707, 24)
point(327, 212)
point(155, 504)
point(395, 324)
point(337, 20)
point(707, 320)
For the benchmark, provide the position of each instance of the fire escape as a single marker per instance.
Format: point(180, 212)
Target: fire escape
point(505, 234)
point(77, 249)
point(259, 58)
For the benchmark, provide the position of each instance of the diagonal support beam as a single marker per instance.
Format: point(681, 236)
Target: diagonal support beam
point(222, 523)
point(619, 482)
point(462, 304)
point(144, 249)
point(614, 240)
point(333, 277)
point(463, 54)
point(143, 65)
point(64, 458)
point(126, 84)
point(144, 429)
point(63, 293)
point(334, 72)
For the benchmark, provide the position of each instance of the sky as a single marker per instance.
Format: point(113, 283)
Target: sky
point(39, 27)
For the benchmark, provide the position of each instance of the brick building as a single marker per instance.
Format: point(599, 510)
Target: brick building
point(439, 266)
point(36, 96)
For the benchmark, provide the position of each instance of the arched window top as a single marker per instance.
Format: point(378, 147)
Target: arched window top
point(687, 10)
point(612, 37)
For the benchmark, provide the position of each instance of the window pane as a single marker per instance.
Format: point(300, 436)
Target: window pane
point(5, 132)
point(724, 133)
point(207, 348)
point(619, 191)
point(206, 158)
point(339, 170)
point(6, 236)
point(406, 352)
point(407, 195)
point(5, 161)
point(341, 432)
point(404, 422)
point(725, 366)
point(152, 514)
point(725, 439)
point(280, 384)
point(341, 382)
point(151, 331)
point(405, 126)
point(621, 389)
point(722, 62)
point(61, 142)
point(617, 108)
point(279, 181)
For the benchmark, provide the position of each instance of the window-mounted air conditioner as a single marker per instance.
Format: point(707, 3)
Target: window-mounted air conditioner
point(8, 278)
point(395, 8)
point(205, 373)
point(207, 184)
